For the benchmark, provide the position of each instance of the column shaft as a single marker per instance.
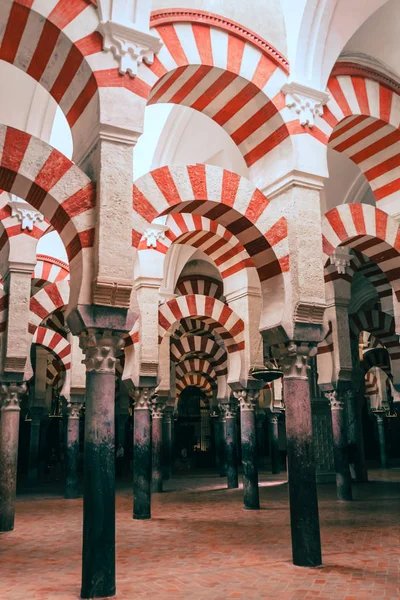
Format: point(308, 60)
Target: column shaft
point(382, 442)
point(231, 452)
point(72, 454)
point(34, 441)
point(343, 477)
point(98, 553)
point(167, 445)
point(156, 454)
point(249, 457)
point(274, 439)
point(9, 431)
point(142, 463)
point(222, 445)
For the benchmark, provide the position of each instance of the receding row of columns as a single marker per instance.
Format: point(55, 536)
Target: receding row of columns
point(98, 560)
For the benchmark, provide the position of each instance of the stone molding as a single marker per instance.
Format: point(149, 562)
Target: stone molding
point(247, 399)
point(108, 291)
point(27, 215)
point(183, 15)
point(309, 312)
point(362, 65)
point(295, 362)
point(100, 347)
point(294, 178)
point(306, 102)
point(11, 394)
point(53, 260)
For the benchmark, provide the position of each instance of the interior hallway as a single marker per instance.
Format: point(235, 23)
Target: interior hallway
point(201, 544)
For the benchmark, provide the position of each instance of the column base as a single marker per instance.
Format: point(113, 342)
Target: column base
point(141, 517)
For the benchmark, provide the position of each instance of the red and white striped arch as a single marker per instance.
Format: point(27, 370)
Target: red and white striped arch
point(377, 357)
point(55, 343)
point(201, 346)
point(382, 326)
point(361, 120)
point(199, 365)
point(207, 286)
point(48, 270)
point(214, 66)
point(371, 388)
point(197, 380)
point(46, 301)
point(3, 307)
point(220, 196)
point(189, 327)
point(229, 326)
point(52, 184)
point(368, 231)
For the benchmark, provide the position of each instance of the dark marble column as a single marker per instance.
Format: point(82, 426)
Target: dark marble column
point(221, 446)
point(72, 450)
point(142, 454)
point(382, 441)
point(157, 408)
point(167, 441)
point(215, 429)
point(11, 394)
point(248, 400)
point(273, 421)
point(36, 413)
point(230, 409)
point(356, 435)
point(98, 551)
point(339, 427)
point(304, 518)
point(260, 418)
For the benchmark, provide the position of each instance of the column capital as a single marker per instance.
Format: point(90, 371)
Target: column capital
point(273, 417)
point(11, 394)
point(247, 398)
point(336, 400)
point(295, 361)
point(157, 407)
point(100, 347)
point(306, 102)
point(73, 409)
point(228, 409)
point(142, 398)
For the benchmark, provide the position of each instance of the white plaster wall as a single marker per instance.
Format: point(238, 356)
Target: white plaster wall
point(264, 18)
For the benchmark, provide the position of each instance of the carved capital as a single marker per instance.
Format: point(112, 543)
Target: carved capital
point(25, 214)
point(307, 103)
point(273, 418)
point(100, 347)
point(11, 395)
point(341, 259)
point(143, 398)
point(295, 362)
point(336, 400)
point(155, 233)
point(130, 46)
point(73, 409)
point(157, 407)
point(229, 409)
point(247, 398)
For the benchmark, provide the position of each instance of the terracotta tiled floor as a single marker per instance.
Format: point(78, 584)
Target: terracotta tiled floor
point(201, 544)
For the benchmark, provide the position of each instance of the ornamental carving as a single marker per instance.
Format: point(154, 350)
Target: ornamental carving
point(247, 398)
point(25, 214)
point(157, 407)
point(228, 409)
point(295, 362)
point(100, 348)
point(143, 398)
point(341, 259)
point(73, 409)
point(11, 394)
point(336, 400)
point(155, 233)
point(305, 102)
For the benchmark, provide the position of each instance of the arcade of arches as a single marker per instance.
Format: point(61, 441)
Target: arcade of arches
point(200, 291)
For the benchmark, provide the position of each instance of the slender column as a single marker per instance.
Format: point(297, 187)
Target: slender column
point(304, 518)
point(343, 477)
point(11, 394)
point(221, 446)
point(356, 436)
point(167, 441)
point(273, 420)
point(230, 444)
point(72, 451)
point(142, 454)
point(248, 400)
point(382, 441)
point(36, 413)
point(157, 409)
point(98, 552)
point(215, 428)
point(260, 417)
